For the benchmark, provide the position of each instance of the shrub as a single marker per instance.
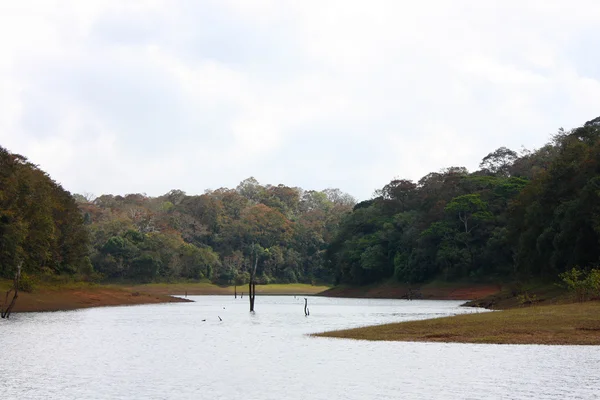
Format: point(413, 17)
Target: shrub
point(583, 284)
point(26, 283)
point(526, 299)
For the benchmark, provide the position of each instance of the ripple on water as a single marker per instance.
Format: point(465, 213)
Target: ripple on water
point(167, 351)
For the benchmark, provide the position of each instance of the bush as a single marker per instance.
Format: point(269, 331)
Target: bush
point(264, 279)
point(526, 299)
point(26, 283)
point(242, 278)
point(289, 276)
point(584, 284)
point(593, 279)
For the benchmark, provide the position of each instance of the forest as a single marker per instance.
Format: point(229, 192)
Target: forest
point(526, 215)
point(215, 235)
point(41, 227)
point(522, 216)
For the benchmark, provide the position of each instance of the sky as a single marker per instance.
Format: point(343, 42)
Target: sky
point(112, 96)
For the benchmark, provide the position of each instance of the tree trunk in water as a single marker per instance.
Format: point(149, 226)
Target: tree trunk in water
point(306, 312)
point(252, 283)
point(6, 313)
point(251, 296)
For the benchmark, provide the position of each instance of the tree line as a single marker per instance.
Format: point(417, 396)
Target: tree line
point(531, 214)
point(41, 227)
point(528, 215)
point(219, 235)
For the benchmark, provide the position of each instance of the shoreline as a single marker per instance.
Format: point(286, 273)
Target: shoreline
point(428, 291)
point(539, 313)
point(548, 324)
point(206, 289)
point(553, 324)
point(79, 295)
point(76, 297)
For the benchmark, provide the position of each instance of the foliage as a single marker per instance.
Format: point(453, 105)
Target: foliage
point(212, 236)
point(171, 237)
point(521, 216)
point(526, 299)
point(533, 214)
point(26, 283)
point(583, 284)
point(40, 224)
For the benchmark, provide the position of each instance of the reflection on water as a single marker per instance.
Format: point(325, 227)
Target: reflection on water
point(183, 351)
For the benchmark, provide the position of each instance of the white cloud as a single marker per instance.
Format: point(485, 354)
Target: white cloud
point(146, 96)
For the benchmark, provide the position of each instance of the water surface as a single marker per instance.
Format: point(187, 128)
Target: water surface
point(183, 351)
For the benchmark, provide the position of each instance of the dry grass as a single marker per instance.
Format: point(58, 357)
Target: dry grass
point(71, 296)
point(205, 288)
point(572, 324)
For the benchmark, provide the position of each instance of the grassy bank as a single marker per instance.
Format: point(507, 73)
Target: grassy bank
point(206, 288)
point(75, 295)
point(60, 296)
point(432, 290)
point(573, 324)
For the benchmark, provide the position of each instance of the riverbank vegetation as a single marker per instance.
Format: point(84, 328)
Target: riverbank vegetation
point(41, 227)
point(170, 238)
point(215, 236)
point(521, 217)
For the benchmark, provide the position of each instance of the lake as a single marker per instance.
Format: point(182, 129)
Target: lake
point(183, 351)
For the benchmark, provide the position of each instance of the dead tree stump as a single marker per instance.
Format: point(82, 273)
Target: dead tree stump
point(306, 311)
point(5, 313)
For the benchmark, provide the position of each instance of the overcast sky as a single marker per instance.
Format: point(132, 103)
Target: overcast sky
point(147, 96)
